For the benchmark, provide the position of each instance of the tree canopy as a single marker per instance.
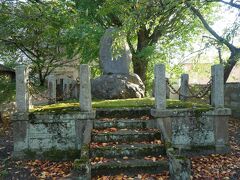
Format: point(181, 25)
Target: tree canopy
point(39, 31)
point(52, 33)
point(145, 23)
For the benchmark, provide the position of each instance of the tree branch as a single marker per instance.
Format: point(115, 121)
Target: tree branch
point(210, 30)
point(230, 3)
point(130, 44)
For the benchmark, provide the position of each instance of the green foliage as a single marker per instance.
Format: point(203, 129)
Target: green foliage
point(3, 173)
point(52, 33)
point(7, 89)
point(39, 31)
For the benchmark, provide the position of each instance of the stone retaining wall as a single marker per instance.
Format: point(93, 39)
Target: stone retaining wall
point(232, 95)
point(232, 98)
point(40, 132)
point(188, 129)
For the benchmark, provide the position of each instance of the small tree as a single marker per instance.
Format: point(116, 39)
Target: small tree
point(225, 40)
point(38, 30)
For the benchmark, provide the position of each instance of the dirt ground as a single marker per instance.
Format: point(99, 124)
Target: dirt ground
point(204, 167)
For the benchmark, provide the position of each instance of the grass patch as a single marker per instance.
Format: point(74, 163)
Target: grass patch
point(118, 103)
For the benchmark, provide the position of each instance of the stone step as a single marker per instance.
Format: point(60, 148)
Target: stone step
point(129, 167)
point(128, 150)
point(126, 136)
point(121, 124)
point(123, 112)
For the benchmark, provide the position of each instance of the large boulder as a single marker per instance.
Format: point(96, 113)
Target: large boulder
point(117, 86)
point(110, 64)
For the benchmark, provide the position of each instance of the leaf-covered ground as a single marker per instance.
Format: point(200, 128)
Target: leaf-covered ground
point(221, 166)
point(204, 167)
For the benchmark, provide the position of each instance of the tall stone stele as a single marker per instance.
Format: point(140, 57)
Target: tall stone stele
point(116, 82)
point(110, 64)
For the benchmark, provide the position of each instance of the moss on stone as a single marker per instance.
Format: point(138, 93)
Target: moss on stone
point(202, 148)
point(80, 164)
point(168, 145)
point(30, 154)
point(66, 107)
point(55, 154)
point(198, 112)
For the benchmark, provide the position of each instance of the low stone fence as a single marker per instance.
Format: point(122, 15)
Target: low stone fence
point(187, 131)
point(38, 134)
point(186, 128)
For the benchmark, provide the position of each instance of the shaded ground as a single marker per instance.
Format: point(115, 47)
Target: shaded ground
point(204, 167)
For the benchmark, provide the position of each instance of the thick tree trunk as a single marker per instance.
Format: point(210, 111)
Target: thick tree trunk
point(230, 64)
point(140, 67)
point(140, 64)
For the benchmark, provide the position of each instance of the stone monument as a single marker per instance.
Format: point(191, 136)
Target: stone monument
point(116, 82)
point(110, 64)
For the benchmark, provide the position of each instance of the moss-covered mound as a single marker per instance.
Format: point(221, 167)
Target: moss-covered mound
point(118, 103)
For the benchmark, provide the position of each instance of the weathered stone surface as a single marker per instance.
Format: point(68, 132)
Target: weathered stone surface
point(160, 86)
point(129, 150)
point(110, 64)
point(179, 166)
point(217, 92)
point(132, 167)
point(222, 134)
point(85, 97)
point(186, 129)
point(121, 124)
point(22, 95)
point(39, 132)
point(184, 91)
point(66, 88)
point(117, 86)
point(52, 89)
point(232, 96)
point(126, 136)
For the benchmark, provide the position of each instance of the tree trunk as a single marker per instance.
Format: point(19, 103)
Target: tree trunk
point(230, 64)
point(41, 78)
point(140, 67)
point(140, 64)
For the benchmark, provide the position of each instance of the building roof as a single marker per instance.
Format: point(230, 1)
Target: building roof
point(6, 69)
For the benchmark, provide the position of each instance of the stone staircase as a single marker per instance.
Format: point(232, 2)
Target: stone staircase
point(126, 146)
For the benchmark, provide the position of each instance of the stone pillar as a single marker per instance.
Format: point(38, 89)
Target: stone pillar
point(22, 94)
point(75, 89)
point(66, 88)
point(52, 89)
point(160, 86)
point(217, 91)
point(184, 91)
point(85, 97)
